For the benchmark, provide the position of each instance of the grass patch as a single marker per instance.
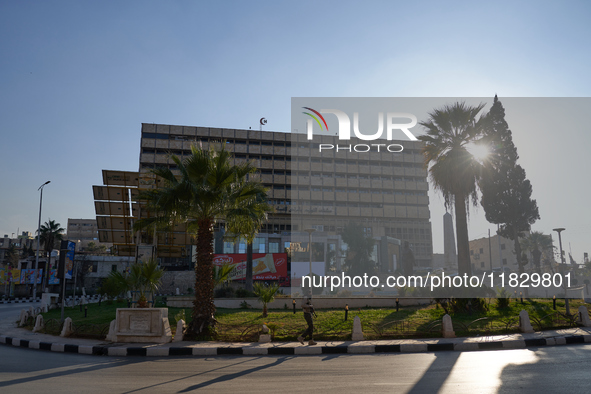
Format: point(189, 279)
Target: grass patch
point(378, 323)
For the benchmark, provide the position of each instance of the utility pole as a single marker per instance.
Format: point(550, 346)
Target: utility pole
point(38, 237)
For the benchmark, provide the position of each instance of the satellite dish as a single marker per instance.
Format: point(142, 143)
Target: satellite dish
point(263, 121)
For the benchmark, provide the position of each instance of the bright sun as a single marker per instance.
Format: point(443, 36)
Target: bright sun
point(480, 152)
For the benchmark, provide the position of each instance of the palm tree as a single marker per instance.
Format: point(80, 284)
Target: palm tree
point(453, 170)
point(537, 243)
point(266, 294)
point(209, 189)
point(145, 278)
point(50, 233)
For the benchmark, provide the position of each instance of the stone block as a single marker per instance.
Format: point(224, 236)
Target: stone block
point(49, 300)
point(584, 316)
point(357, 334)
point(447, 328)
point(142, 325)
point(67, 329)
point(39, 324)
point(23, 317)
point(524, 323)
point(111, 337)
point(180, 327)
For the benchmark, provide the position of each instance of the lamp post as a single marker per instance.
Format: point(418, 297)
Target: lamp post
point(566, 303)
point(38, 237)
point(310, 231)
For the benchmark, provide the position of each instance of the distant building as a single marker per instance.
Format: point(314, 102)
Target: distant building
point(503, 255)
point(82, 232)
point(25, 239)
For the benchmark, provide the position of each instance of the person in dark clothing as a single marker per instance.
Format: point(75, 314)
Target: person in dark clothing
point(308, 312)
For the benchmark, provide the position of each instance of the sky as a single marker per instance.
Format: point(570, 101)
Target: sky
point(77, 79)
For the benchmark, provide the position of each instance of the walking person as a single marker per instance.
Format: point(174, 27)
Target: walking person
point(308, 312)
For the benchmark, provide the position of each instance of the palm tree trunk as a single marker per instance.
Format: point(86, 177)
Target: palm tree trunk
point(464, 266)
point(203, 306)
point(248, 284)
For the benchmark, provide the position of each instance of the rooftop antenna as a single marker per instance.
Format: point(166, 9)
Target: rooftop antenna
point(263, 122)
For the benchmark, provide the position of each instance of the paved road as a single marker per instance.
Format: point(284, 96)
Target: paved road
point(14, 310)
point(548, 369)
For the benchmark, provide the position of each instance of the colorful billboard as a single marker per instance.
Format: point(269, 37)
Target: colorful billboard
point(27, 276)
point(265, 266)
point(70, 259)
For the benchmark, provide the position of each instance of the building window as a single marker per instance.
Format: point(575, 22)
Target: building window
point(114, 268)
point(481, 251)
point(258, 246)
point(228, 247)
point(94, 266)
point(482, 264)
point(471, 253)
point(273, 247)
point(502, 246)
point(504, 261)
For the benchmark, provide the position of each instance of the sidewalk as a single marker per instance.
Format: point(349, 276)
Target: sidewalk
point(10, 334)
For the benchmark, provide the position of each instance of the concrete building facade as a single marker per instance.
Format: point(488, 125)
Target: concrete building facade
point(389, 198)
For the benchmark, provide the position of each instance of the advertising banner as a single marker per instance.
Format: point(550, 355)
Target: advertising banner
point(265, 266)
point(70, 259)
point(27, 276)
point(53, 279)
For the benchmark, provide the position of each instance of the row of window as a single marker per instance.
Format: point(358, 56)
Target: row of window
point(482, 250)
point(362, 191)
point(249, 142)
point(482, 263)
point(176, 137)
point(300, 159)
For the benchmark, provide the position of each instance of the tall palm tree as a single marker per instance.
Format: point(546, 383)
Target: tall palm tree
point(209, 189)
point(452, 168)
point(537, 243)
point(50, 234)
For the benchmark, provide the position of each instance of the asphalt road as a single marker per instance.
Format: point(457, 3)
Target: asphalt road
point(548, 369)
point(14, 310)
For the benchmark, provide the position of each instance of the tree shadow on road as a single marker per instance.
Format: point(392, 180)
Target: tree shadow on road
point(437, 373)
point(236, 375)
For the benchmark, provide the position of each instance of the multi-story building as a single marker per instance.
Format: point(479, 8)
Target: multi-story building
point(82, 232)
point(502, 254)
point(387, 196)
point(25, 239)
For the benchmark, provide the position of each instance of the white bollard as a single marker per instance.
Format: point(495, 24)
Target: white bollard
point(67, 329)
point(524, 323)
point(39, 324)
point(180, 327)
point(584, 316)
point(447, 328)
point(357, 334)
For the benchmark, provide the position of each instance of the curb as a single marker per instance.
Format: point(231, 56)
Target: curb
point(20, 300)
point(264, 350)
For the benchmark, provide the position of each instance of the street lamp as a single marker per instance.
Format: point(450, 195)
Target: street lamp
point(559, 230)
point(38, 237)
point(562, 261)
point(310, 231)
